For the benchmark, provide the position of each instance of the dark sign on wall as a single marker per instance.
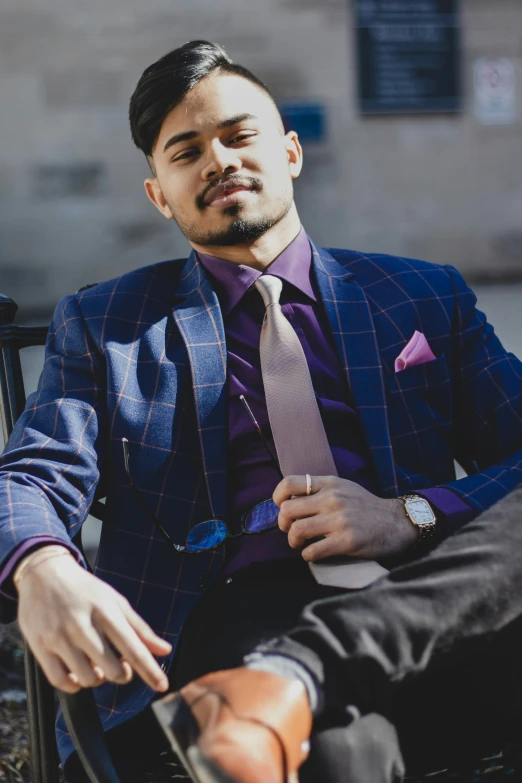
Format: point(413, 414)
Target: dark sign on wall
point(307, 119)
point(408, 56)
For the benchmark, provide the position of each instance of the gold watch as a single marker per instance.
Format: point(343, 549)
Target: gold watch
point(420, 514)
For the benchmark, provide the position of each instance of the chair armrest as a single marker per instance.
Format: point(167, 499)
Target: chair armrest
point(83, 721)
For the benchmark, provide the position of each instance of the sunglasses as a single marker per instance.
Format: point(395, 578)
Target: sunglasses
point(212, 533)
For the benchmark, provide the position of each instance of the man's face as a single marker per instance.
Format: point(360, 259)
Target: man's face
point(224, 166)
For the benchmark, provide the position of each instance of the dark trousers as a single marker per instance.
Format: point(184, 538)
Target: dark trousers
point(428, 660)
point(462, 708)
point(242, 611)
point(431, 657)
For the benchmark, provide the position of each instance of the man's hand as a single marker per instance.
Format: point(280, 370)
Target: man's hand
point(73, 621)
point(348, 519)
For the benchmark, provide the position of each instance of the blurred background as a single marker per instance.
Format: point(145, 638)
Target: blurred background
point(410, 113)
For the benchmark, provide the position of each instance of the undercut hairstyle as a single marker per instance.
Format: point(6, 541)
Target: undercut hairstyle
point(164, 84)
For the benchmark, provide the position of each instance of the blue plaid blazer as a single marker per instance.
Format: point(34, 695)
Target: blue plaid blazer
point(144, 357)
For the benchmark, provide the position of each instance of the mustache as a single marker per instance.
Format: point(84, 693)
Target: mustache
point(252, 183)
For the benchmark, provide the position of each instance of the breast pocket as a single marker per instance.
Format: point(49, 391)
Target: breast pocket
point(420, 415)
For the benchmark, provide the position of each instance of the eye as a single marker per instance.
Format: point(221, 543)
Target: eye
point(185, 155)
point(244, 136)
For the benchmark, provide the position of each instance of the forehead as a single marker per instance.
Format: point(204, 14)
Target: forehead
point(215, 98)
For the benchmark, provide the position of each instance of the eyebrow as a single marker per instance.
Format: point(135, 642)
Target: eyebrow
point(188, 135)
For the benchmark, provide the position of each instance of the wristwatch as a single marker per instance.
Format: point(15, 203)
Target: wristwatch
point(420, 514)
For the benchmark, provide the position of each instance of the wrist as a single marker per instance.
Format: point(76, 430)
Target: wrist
point(411, 533)
point(34, 559)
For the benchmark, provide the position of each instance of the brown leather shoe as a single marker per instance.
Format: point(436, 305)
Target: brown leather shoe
point(253, 726)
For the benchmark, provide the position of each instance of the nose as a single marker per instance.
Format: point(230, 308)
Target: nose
point(221, 160)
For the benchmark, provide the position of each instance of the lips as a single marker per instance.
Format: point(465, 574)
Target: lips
point(225, 189)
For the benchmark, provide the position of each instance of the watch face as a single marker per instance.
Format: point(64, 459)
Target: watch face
point(420, 511)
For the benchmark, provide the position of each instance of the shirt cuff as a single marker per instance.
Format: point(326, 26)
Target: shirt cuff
point(451, 510)
point(290, 670)
point(7, 589)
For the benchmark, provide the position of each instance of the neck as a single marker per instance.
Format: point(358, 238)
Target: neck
point(259, 253)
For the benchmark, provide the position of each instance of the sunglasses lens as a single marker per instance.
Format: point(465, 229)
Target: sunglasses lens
point(262, 517)
point(206, 535)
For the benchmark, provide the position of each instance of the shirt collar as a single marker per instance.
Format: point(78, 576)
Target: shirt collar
point(232, 281)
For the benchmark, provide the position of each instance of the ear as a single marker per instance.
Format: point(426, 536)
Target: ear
point(155, 194)
point(295, 154)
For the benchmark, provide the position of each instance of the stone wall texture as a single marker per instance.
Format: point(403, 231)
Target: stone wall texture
point(72, 206)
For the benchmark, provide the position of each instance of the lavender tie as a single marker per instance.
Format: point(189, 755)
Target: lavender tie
point(297, 427)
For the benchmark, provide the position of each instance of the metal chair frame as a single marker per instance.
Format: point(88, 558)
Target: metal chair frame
point(80, 712)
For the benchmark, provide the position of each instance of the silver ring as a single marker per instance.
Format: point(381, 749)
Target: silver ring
point(308, 484)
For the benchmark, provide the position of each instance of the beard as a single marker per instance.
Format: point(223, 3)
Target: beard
point(237, 229)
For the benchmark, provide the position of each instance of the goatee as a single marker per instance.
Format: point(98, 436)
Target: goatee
point(238, 232)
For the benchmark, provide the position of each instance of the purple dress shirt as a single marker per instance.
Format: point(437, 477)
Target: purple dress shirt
point(252, 476)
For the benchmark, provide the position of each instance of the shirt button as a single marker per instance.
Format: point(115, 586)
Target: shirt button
point(228, 581)
point(205, 579)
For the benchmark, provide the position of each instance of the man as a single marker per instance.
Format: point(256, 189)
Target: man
point(422, 669)
point(153, 394)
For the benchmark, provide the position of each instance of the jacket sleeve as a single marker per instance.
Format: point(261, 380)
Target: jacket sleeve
point(487, 405)
point(50, 468)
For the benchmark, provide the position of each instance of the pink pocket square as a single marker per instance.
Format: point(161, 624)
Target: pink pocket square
point(417, 351)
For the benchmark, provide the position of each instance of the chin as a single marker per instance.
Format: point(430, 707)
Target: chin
point(234, 210)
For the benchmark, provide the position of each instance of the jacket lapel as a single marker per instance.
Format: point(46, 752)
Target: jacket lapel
point(349, 314)
point(198, 317)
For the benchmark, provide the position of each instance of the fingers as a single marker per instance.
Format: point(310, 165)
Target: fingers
point(153, 642)
point(296, 485)
point(121, 633)
point(336, 539)
point(302, 530)
point(135, 640)
point(297, 508)
point(80, 668)
point(327, 547)
point(57, 673)
point(99, 651)
point(127, 668)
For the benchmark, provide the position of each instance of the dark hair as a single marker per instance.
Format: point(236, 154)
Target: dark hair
point(165, 83)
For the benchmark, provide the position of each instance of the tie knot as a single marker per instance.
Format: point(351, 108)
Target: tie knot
point(270, 288)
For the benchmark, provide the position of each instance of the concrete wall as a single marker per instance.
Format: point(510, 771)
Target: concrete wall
point(72, 207)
